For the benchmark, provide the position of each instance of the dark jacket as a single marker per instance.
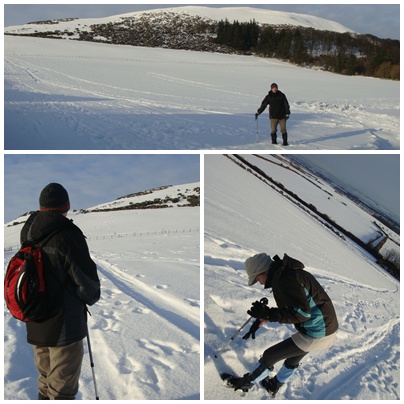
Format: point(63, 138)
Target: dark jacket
point(301, 300)
point(70, 277)
point(278, 105)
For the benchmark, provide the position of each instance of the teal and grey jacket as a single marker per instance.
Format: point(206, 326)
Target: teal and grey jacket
point(301, 300)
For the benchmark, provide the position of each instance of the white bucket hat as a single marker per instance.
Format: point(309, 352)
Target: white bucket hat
point(256, 265)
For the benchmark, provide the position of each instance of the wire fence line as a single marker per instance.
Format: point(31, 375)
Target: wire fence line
point(127, 235)
point(141, 234)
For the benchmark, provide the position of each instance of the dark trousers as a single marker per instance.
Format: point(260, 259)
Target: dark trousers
point(284, 350)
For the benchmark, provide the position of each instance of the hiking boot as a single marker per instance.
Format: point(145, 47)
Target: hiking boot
point(271, 385)
point(238, 383)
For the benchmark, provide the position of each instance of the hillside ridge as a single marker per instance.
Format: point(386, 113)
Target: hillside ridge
point(167, 196)
point(242, 14)
point(388, 259)
point(300, 39)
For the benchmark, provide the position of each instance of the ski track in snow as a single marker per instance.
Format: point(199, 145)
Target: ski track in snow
point(137, 376)
point(168, 307)
point(181, 100)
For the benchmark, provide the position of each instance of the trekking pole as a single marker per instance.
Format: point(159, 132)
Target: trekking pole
point(257, 128)
point(232, 338)
point(92, 364)
point(264, 300)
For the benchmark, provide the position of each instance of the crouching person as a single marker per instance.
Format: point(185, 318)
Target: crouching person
point(301, 301)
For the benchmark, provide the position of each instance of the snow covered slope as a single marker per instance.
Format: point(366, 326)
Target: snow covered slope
point(271, 17)
point(63, 94)
point(242, 14)
point(244, 216)
point(145, 330)
point(325, 200)
point(166, 196)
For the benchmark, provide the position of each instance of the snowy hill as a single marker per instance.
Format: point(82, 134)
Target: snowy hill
point(245, 215)
point(242, 14)
point(63, 94)
point(343, 214)
point(271, 17)
point(145, 329)
point(169, 196)
point(156, 198)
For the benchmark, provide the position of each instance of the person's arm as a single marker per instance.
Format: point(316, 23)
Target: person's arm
point(83, 270)
point(295, 305)
point(287, 106)
point(263, 106)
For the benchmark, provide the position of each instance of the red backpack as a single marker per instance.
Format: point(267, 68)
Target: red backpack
point(24, 284)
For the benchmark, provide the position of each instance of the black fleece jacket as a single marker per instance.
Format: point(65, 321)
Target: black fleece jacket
point(278, 105)
point(70, 276)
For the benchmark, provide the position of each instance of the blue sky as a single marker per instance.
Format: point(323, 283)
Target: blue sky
point(90, 179)
point(382, 20)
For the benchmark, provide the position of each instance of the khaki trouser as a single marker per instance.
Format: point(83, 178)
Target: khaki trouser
point(59, 370)
point(275, 122)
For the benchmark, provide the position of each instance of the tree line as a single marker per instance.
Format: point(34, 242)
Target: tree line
point(344, 53)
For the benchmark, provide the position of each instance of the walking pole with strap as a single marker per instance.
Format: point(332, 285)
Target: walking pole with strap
point(92, 364)
point(264, 300)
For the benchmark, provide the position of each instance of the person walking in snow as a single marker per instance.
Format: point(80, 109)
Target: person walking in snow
point(72, 280)
point(279, 112)
point(301, 301)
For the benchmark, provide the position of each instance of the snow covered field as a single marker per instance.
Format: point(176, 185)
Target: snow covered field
point(145, 330)
point(62, 94)
point(244, 216)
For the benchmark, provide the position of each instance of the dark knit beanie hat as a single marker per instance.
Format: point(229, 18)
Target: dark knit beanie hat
point(274, 85)
point(55, 198)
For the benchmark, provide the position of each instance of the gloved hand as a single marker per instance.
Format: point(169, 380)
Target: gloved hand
point(259, 310)
point(253, 329)
point(287, 117)
point(256, 115)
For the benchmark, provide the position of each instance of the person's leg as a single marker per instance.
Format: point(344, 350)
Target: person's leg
point(65, 368)
point(42, 363)
point(282, 124)
point(274, 124)
point(285, 139)
point(284, 350)
point(293, 355)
